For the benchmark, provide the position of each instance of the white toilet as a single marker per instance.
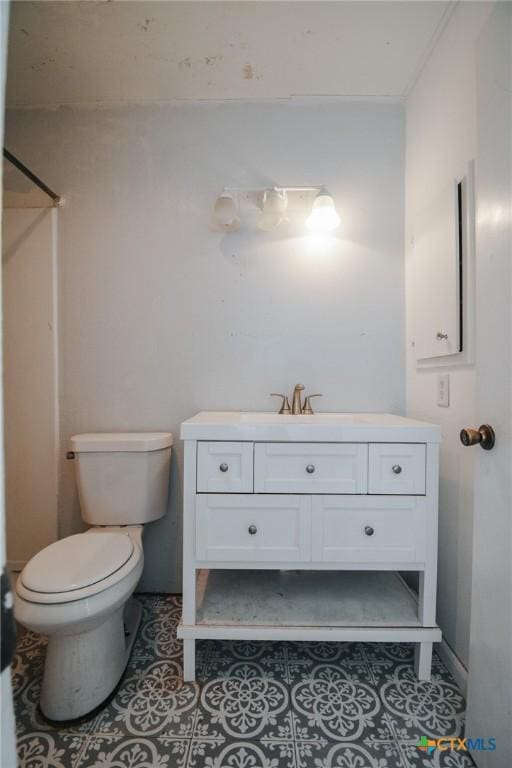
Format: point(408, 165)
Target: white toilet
point(77, 591)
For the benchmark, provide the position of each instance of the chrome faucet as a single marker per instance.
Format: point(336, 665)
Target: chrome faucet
point(297, 407)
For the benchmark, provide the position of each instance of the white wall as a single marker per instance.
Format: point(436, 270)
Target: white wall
point(162, 318)
point(30, 380)
point(441, 140)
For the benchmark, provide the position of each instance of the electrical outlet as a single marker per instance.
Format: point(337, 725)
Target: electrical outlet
point(443, 390)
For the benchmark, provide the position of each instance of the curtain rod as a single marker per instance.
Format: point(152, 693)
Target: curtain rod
point(33, 178)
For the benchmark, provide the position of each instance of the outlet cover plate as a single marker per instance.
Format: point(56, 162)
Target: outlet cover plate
point(443, 390)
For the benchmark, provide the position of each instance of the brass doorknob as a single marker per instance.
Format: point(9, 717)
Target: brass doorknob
point(483, 436)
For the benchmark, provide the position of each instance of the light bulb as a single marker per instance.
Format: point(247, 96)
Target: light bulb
point(225, 216)
point(273, 209)
point(323, 216)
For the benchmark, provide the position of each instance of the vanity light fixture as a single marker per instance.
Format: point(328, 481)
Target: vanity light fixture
point(273, 209)
point(323, 216)
point(273, 204)
point(225, 214)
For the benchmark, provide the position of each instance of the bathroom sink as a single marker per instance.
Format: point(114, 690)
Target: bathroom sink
point(316, 418)
point(328, 427)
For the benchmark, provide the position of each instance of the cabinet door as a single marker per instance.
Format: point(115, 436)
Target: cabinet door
point(397, 468)
point(233, 528)
point(224, 467)
point(310, 467)
point(368, 530)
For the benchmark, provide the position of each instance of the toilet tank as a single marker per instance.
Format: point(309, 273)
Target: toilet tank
point(122, 478)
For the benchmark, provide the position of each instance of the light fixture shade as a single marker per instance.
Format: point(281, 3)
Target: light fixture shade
point(273, 209)
point(225, 215)
point(323, 216)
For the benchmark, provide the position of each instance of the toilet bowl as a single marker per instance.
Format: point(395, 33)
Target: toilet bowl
point(77, 591)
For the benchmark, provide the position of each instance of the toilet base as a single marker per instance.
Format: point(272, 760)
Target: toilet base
point(82, 671)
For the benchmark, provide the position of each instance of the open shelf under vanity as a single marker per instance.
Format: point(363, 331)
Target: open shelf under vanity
point(306, 605)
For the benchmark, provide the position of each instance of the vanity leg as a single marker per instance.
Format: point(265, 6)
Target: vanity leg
point(427, 597)
point(423, 660)
point(189, 660)
point(427, 616)
point(189, 596)
point(189, 618)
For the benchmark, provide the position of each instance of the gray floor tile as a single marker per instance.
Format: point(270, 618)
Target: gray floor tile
point(416, 758)
point(268, 753)
point(247, 701)
point(338, 703)
point(419, 708)
point(51, 750)
point(254, 705)
point(265, 659)
point(348, 755)
point(151, 699)
point(108, 752)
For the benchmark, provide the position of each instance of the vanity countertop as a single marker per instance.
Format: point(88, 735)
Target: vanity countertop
point(319, 427)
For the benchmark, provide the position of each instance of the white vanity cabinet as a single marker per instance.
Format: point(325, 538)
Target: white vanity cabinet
point(299, 527)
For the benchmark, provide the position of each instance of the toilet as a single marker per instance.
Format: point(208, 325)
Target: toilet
point(78, 591)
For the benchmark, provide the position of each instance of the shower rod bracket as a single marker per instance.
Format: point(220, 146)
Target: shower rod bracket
point(57, 199)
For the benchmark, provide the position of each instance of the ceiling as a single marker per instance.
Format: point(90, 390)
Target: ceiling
point(115, 52)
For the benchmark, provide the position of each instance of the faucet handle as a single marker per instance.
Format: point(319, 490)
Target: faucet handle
point(307, 409)
point(285, 405)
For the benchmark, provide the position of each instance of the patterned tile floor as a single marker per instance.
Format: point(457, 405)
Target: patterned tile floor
point(255, 705)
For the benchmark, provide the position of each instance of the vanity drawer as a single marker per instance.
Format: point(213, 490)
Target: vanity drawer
point(368, 530)
point(224, 467)
point(397, 468)
point(251, 528)
point(310, 467)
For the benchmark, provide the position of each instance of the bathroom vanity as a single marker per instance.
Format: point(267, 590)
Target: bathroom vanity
point(300, 527)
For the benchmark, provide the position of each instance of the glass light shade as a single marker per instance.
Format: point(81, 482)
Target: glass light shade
point(225, 216)
point(273, 210)
point(323, 216)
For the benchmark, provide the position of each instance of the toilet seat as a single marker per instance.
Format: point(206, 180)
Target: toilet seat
point(79, 566)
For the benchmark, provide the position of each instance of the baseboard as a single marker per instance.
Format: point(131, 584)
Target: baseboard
point(454, 665)
point(15, 566)
point(147, 587)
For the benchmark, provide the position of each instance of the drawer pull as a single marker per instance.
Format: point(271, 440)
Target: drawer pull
point(368, 530)
point(252, 530)
point(396, 469)
point(310, 469)
point(224, 467)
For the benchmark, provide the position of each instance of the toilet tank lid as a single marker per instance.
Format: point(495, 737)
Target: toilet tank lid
point(120, 441)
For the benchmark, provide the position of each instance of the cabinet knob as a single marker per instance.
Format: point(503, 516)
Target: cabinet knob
point(310, 469)
point(483, 436)
point(440, 336)
point(368, 530)
point(224, 467)
point(252, 530)
point(396, 469)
